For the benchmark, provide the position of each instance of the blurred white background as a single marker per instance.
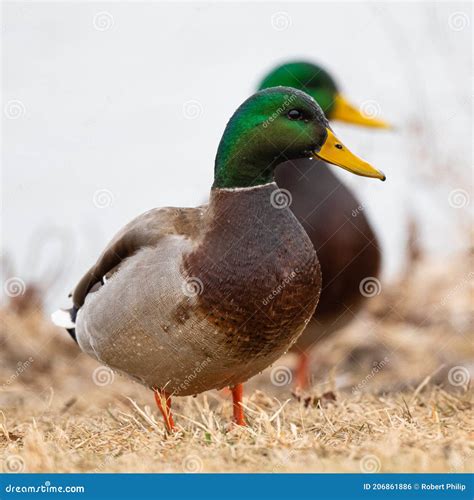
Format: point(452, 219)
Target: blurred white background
point(110, 109)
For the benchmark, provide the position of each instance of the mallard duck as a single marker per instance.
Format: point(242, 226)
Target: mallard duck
point(332, 216)
point(177, 299)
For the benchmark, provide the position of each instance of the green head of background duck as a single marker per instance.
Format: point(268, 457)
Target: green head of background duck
point(320, 85)
point(188, 300)
point(332, 216)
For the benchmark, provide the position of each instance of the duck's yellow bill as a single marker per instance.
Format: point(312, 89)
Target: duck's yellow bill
point(333, 151)
point(345, 112)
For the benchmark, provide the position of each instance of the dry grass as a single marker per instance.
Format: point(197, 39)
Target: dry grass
point(400, 373)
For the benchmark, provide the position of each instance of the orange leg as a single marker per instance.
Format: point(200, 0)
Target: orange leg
point(302, 371)
point(237, 395)
point(160, 397)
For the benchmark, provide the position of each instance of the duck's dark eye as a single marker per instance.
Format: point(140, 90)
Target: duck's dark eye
point(295, 114)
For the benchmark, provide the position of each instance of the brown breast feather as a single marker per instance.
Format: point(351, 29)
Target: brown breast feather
point(260, 274)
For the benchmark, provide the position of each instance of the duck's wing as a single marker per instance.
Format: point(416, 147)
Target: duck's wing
point(146, 230)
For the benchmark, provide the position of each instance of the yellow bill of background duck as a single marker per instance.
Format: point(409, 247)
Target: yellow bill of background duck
point(344, 111)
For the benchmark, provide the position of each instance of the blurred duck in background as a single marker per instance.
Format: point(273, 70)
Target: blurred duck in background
point(177, 299)
point(346, 245)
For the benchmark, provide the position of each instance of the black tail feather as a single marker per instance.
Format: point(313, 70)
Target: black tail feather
point(73, 314)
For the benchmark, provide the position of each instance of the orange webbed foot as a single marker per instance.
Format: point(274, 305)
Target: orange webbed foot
point(163, 401)
point(237, 396)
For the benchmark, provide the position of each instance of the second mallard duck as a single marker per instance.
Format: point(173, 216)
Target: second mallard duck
point(178, 298)
point(333, 217)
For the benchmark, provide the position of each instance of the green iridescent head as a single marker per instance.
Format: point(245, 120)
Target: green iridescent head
point(272, 126)
point(320, 85)
point(307, 77)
